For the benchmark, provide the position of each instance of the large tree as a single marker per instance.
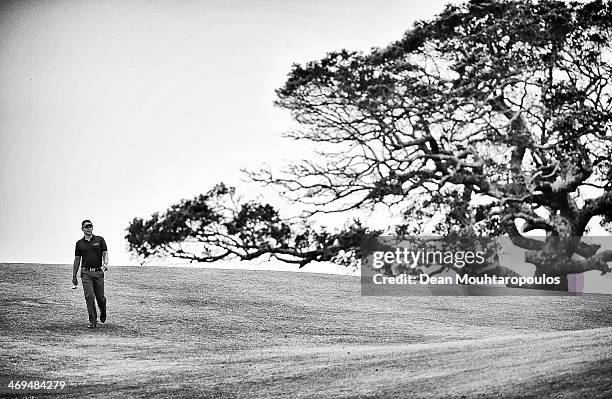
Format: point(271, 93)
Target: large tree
point(494, 118)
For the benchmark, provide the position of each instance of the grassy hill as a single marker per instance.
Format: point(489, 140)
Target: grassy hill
point(187, 332)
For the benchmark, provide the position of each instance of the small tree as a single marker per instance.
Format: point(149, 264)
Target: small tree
point(217, 225)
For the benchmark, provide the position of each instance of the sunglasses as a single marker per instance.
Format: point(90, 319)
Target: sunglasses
point(88, 226)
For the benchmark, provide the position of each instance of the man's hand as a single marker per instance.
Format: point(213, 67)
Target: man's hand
point(74, 281)
point(105, 268)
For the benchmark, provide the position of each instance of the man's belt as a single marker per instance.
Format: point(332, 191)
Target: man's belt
point(92, 269)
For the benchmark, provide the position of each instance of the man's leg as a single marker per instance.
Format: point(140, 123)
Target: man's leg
point(88, 289)
point(99, 292)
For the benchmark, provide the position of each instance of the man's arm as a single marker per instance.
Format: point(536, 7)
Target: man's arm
point(105, 260)
point(75, 269)
point(104, 249)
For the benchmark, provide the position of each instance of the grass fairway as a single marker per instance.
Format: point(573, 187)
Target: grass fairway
point(180, 332)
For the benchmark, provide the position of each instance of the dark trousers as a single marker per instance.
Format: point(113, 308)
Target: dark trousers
point(93, 287)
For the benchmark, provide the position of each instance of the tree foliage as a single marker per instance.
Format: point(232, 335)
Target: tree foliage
point(493, 115)
point(217, 225)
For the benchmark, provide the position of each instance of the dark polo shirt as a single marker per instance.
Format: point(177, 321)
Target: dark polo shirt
point(90, 251)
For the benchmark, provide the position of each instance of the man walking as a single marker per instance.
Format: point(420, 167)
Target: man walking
point(92, 255)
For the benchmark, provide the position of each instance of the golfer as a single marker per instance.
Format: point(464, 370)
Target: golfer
point(92, 255)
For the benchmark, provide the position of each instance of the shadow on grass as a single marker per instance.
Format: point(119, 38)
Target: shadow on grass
point(75, 329)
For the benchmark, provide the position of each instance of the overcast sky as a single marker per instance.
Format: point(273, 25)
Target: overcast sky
point(116, 109)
